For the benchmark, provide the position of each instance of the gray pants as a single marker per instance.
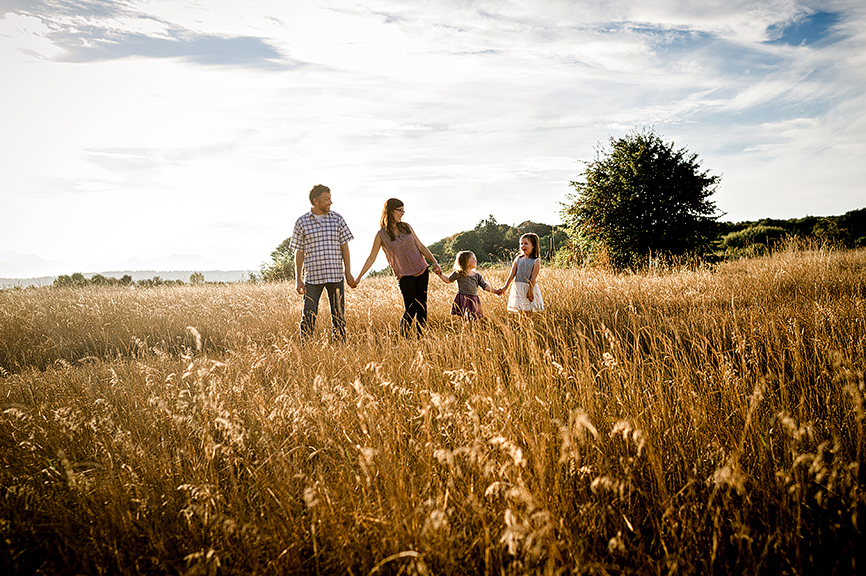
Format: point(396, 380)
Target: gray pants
point(337, 303)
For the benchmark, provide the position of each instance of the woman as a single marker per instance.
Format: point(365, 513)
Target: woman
point(405, 254)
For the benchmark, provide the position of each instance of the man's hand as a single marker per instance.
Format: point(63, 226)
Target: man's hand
point(350, 280)
point(300, 288)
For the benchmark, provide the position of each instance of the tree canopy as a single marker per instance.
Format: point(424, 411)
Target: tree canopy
point(495, 242)
point(282, 264)
point(641, 196)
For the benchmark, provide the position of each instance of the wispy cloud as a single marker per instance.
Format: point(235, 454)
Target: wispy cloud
point(94, 31)
point(95, 45)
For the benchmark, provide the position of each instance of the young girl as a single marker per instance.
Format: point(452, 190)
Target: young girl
point(466, 303)
point(525, 295)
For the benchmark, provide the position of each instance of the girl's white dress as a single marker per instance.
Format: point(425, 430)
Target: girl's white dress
point(517, 299)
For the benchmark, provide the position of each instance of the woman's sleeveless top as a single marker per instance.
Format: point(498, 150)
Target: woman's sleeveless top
point(403, 255)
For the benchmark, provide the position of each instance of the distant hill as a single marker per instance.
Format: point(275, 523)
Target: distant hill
point(25, 282)
point(15, 265)
point(179, 262)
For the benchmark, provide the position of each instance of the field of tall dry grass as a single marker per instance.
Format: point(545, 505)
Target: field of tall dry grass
point(668, 422)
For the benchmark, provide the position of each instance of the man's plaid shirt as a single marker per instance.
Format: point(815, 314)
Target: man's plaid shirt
point(321, 240)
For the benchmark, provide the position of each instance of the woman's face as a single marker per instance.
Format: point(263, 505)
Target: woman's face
point(397, 213)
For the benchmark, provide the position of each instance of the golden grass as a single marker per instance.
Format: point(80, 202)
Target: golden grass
point(677, 421)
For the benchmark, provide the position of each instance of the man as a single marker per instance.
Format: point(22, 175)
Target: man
point(320, 240)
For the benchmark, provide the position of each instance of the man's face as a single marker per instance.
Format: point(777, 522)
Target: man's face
point(322, 203)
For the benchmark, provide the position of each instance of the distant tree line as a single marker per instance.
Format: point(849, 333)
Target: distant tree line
point(493, 242)
point(845, 231)
point(79, 280)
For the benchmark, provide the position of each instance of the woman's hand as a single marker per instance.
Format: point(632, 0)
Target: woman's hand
point(530, 294)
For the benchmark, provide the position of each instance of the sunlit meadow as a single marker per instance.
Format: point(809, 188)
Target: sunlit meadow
point(678, 421)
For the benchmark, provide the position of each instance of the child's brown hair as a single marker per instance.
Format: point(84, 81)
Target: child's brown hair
point(533, 239)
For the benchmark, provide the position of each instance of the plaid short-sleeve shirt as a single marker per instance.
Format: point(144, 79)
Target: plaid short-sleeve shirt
point(320, 238)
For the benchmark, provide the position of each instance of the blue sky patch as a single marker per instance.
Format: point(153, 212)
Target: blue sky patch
point(723, 56)
point(814, 29)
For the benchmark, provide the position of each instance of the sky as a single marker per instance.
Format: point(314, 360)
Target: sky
point(149, 128)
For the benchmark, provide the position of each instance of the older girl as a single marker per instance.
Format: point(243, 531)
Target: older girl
point(525, 295)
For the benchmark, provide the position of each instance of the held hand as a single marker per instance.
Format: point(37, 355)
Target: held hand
point(350, 280)
point(437, 268)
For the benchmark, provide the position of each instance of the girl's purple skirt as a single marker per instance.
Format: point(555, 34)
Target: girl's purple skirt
point(467, 305)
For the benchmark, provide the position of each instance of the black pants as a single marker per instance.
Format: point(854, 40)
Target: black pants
point(337, 302)
point(414, 291)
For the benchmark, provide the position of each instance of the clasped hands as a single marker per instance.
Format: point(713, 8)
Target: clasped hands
point(353, 282)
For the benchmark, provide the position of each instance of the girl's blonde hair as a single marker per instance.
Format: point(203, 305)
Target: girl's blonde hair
point(461, 261)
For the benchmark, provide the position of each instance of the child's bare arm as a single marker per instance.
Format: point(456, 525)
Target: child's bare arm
point(511, 276)
point(535, 269)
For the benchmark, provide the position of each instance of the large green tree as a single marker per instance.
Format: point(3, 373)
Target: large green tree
point(642, 196)
point(282, 265)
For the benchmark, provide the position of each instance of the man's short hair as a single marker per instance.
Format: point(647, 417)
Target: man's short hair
point(317, 191)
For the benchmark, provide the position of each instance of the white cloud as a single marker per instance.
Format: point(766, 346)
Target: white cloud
point(24, 39)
